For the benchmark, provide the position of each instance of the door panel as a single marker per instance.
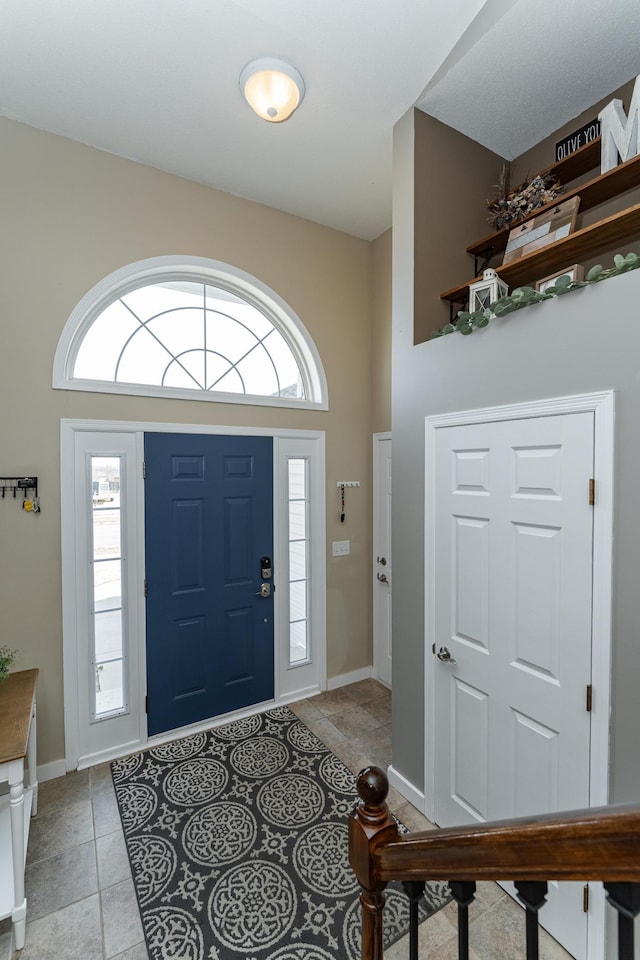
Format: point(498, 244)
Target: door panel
point(470, 580)
point(470, 747)
point(208, 520)
point(512, 591)
point(535, 756)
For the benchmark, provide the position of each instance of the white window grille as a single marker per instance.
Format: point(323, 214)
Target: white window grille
point(107, 587)
point(189, 329)
point(299, 552)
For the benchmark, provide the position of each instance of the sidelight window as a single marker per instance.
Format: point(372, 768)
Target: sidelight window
point(298, 501)
point(106, 584)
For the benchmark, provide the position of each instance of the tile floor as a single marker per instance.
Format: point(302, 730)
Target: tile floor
point(82, 905)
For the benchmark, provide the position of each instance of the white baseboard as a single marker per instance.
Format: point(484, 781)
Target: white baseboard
point(50, 771)
point(345, 678)
point(121, 750)
point(299, 694)
point(407, 789)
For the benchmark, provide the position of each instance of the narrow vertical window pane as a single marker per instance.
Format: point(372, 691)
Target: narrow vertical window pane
point(297, 560)
point(298, 600)
point(108, 634)
point(297, 480)
point(107, 574)
point(298, 642)
point(298, 504)
point(109, 687)
point(107, 584)
point(297, 519)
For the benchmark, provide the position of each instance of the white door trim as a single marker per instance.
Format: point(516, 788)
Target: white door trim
point(283, 438)
point(602, 405)
point(377, 438)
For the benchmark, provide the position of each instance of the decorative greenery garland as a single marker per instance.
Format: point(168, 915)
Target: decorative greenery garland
point(524, 296)
point(7, 657)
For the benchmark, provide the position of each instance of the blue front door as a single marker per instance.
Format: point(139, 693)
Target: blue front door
point(208, 524)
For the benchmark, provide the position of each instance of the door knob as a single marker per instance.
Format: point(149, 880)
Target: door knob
point(382, 560)
point(264, 591)
point(444, 655)
point(382, 577)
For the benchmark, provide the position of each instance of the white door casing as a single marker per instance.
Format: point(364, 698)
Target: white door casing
point(302, 679)
point(513, 605)
point(509, 729)
point(82, 736)
point(87, 743)
point(382, 559)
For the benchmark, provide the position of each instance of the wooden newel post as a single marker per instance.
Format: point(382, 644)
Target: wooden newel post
point(370, 824)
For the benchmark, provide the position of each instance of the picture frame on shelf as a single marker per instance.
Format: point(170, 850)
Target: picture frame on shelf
point(574, 272)
point(547, 227)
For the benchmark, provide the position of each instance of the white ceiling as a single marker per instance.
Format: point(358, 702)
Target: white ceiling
point(543, 62)
point(157, 81)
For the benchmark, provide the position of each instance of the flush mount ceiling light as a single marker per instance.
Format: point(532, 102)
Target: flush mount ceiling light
point(272, 88)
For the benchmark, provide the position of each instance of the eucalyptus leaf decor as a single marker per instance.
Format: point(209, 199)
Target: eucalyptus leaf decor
point(524, 296)
point(7, 657)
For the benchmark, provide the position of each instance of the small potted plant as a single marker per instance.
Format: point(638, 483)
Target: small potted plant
point(7, 656)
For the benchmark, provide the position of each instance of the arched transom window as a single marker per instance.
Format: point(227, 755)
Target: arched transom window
point(196, 328)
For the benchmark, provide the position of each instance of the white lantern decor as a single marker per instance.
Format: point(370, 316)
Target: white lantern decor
point(484, 292)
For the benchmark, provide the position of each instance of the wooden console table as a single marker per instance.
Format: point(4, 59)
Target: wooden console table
point(17, 743)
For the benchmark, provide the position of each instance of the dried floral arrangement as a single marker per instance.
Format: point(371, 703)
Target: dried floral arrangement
point(508, 206)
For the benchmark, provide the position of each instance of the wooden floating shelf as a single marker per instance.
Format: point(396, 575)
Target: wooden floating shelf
point(588, 242)
point(577, 163)
point(570, 168)
point(624, 177)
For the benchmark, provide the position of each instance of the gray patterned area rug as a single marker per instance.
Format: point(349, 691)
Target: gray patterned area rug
point(237, 839)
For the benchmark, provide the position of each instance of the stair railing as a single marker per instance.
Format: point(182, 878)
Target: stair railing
point(598, 844)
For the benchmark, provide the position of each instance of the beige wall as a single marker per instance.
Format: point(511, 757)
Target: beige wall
point(71, 215)
point(451, 176)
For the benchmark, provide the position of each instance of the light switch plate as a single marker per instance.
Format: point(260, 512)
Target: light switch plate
point(341, 548)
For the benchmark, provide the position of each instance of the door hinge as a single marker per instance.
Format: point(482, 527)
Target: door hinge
point(146, 704)
point(592, 492)
point(589, 697)
point(145, 588)
point(144, 470)
point(585, 898)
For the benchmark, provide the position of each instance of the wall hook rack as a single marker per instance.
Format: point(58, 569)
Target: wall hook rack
point(341, 484)
point(27, 486)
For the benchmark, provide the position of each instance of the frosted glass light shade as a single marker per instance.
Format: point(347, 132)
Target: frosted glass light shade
point(272, 88)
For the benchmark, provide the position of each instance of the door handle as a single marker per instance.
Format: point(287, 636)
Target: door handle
point(382, 560)
point(264, 591)
point(382, 577)
point(444, 655)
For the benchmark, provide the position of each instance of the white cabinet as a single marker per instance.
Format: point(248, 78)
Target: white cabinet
point(19, 801)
